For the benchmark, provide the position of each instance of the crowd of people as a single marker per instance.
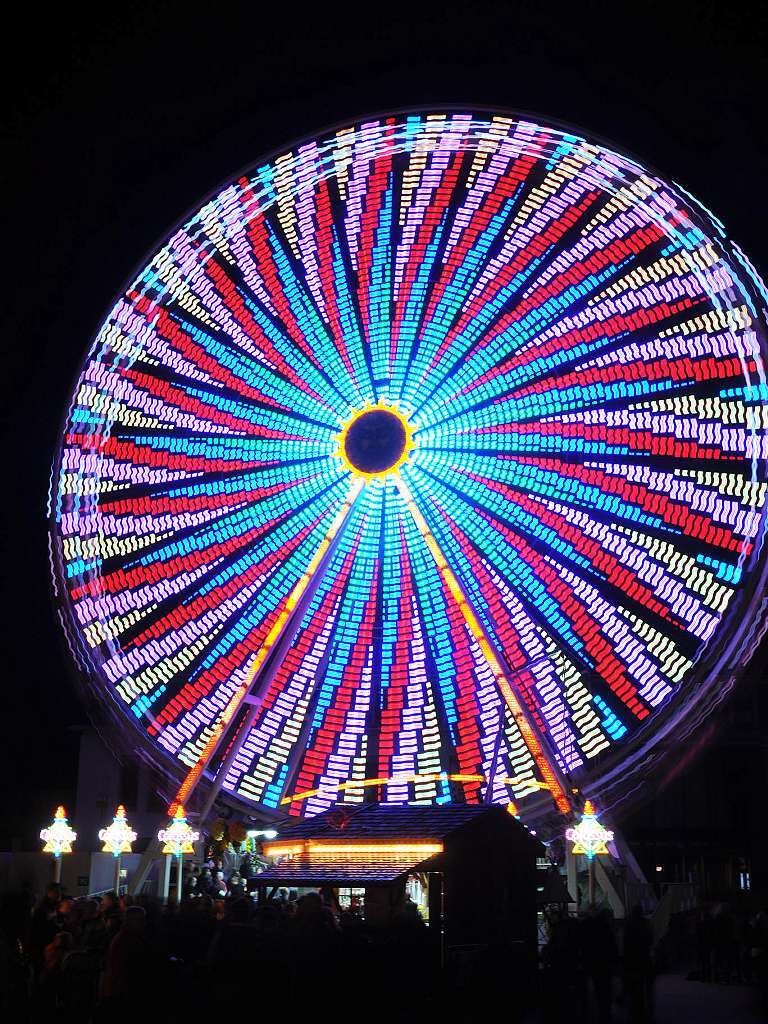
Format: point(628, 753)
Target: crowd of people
point(593, 970)
point(110, 959)
point(581, 964)
point(222, 878)
point(731, 948)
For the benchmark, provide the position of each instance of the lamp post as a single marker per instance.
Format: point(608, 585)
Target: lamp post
point(589, 837)
point(177, 840)
point(117, 839)
point(58, 838)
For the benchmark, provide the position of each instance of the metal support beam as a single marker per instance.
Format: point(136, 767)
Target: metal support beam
point(179, 878)
point(141, 873)
point(628, 859)
point(299, 747)
point(164, 879)
point(270, 655)
point(494, 761)
point(615, 901)
point(572, 874)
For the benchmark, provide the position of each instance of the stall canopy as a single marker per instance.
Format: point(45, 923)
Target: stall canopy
point(342, 872)
point(375, 844)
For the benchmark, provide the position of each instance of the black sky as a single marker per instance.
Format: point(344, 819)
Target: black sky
point(115, 127)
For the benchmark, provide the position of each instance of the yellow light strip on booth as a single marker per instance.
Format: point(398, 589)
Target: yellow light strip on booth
point(319, 847)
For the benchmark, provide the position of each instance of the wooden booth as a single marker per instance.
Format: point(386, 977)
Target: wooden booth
point(470, 871)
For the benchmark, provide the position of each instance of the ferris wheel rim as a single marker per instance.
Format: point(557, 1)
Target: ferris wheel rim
point(732, 641)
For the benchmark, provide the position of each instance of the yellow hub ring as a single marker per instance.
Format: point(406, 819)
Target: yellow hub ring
point(355, 417)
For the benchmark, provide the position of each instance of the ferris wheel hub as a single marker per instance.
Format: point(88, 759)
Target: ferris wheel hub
point(376, 441)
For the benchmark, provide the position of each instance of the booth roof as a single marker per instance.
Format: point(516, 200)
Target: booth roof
point(362, 871)
point(386, 821)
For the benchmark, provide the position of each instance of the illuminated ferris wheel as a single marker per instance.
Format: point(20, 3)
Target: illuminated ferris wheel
point(426, 462)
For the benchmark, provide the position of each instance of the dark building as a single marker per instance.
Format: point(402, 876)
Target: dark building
point(706, 824)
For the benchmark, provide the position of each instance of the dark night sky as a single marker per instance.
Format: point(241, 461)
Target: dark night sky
point(116, 128)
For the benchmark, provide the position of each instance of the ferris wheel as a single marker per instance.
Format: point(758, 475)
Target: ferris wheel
point(425, 462)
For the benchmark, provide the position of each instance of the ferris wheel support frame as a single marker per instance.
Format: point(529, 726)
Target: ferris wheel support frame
point(488, 797)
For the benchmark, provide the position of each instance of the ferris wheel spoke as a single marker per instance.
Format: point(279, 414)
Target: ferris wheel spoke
point(273, 645)
point(210, 492)
point(374, 272)
point(242, 351)
point(579, 579)
point(309, 238)
point(274, 749)
point(203, 560)
point(558, 520)
point(558, 535)
point(428, 186)
point(525, 350)
point(548, 772)
point(595, 389)
point(597, 277)
point(157, 398)
point(517, 600)
point(631, 568)
point(559, 596)
point(239, 571)
point(158, 539)
point(614, 582)
point(296, 307)
point(232, 571)
point(595, 337)
point(347, 320)
point(468, 711)
point(479, 228)
point(509, 276)
point(410, 300)
point(339, 744)
point(219, 412)
point(424, 727)
point(641, 494)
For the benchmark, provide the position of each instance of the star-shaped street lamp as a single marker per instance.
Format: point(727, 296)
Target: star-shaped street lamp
point(589, 838)
point(177, 840)
point(58, 838)
point(117, 839)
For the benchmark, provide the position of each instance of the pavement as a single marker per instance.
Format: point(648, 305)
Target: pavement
point(679, 1001)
